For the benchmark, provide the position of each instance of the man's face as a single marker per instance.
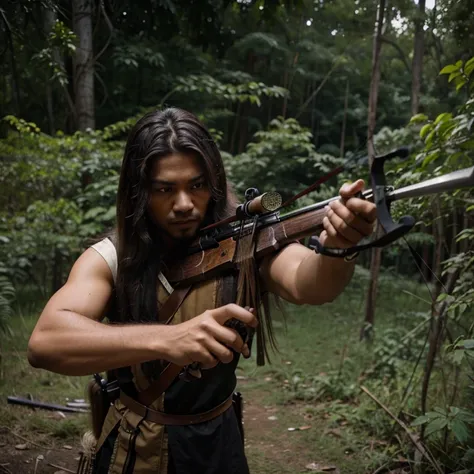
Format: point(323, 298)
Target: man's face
point(179, 195)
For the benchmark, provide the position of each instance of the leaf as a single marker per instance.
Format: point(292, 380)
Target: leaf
point(454, 75)
point(469, 344)
point(457, 356)
point(421, 420)
point(425, 129)
point(468, 457)
point(442, 297)
point(449, 69)
point(469, 67)
point(443, 117)
point(436, 425)
point(460, 430)
point(419, 118)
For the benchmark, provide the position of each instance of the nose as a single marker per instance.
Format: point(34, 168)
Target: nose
point(183, 203)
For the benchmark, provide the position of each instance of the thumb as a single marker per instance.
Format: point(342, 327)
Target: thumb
point(350, 189)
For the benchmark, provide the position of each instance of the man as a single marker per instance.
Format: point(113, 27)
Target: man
point(173, 183)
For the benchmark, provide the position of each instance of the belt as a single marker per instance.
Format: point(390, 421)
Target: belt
point(169, 419)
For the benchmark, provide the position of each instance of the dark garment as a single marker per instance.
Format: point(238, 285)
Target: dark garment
point(212, 447)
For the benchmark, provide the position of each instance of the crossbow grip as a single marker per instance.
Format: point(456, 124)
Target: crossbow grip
point(404, 226)
point(393, 230)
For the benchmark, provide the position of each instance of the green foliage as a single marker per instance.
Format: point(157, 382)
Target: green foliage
point(59, 193)
point(454, 419)
point(216, 90)
point(61, 42)
point(7, 292)
point(282, 158)
point(132, 53)
point(447, 145)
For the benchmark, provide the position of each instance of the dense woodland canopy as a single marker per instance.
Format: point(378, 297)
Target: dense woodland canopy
point(283, 85)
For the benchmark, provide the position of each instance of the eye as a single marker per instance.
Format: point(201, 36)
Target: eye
point(199, 185)
point(162, 189)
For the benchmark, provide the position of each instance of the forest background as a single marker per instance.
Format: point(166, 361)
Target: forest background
point(289, 89)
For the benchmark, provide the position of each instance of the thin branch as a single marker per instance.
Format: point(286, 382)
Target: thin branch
point(316, 92)
point(27, 440)
point(109, 39)
point(418, 445)
point(3, 468)
point(106, 94)
point(61, 467)
point(400, 52)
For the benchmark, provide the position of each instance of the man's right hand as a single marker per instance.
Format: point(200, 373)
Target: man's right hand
point(206, 340)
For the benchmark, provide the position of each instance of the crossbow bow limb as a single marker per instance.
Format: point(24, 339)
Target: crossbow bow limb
point(216, 250)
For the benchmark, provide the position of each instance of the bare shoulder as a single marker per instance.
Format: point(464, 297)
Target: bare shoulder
point(91, 265)
point(87, 290)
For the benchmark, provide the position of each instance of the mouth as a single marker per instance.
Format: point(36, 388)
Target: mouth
point(184, 223)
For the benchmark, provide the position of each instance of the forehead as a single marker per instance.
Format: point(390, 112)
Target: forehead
point(176, 167)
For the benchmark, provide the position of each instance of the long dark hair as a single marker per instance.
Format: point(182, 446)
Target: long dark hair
point(138, 241)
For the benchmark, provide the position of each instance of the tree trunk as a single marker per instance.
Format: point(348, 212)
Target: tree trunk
point(454, 232)
point(418, 50)
point(235, 131)
point(15, 77)
point(344, 120)
point(371, 122)
point(49, 19)
point(83, 64)
point(286, 76)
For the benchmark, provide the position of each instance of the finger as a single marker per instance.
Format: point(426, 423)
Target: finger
point(204, 357)
point(350, 189)
point(328, 227)
point(230, 338)
point(342, 228)
point(365, 209)
point(336, 239)
point(224, 313)
point(350, 218)
point(219, 351)
point(323, 236)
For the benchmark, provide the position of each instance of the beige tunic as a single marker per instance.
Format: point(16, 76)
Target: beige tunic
point(151, 442)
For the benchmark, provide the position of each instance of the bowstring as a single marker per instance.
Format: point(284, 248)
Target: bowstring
point(415, 254)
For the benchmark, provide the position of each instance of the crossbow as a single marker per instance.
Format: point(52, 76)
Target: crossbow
point(216, 248)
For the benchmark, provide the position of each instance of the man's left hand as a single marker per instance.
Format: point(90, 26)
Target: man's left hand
point(349, 219)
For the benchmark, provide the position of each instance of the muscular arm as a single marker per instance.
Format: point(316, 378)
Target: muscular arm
point(70, 338)
point(301, 276)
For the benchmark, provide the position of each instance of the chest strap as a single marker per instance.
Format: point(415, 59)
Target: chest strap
point(171, 371)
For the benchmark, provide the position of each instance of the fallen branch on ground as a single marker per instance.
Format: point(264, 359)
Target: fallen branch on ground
point(61, 467)
point(418, 445)
point(27, 440)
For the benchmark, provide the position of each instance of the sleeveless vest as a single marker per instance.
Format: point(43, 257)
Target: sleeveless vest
point(145, 441)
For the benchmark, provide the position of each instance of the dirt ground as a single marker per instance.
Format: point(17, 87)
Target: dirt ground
point(33, 454)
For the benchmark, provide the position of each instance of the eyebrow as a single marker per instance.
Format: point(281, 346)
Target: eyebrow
point(172, 183)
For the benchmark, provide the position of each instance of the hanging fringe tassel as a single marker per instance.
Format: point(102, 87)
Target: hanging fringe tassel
point(87, 455)
point(249, 291)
